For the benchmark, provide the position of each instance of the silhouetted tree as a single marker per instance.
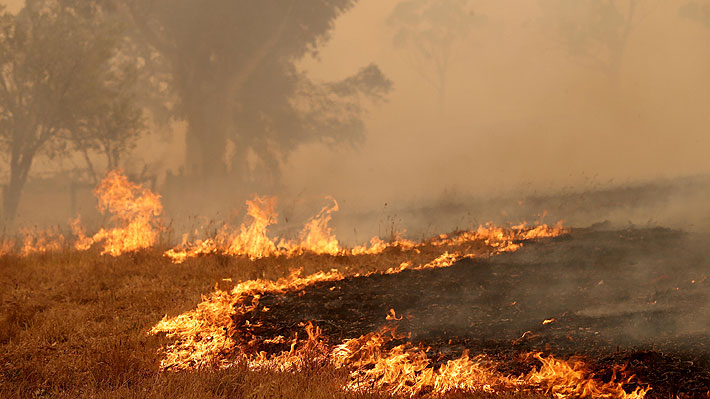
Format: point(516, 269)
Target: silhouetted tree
point(698, 11)
point(429, 32)
point(232, 70)
point(595, 32)
point(59, 85)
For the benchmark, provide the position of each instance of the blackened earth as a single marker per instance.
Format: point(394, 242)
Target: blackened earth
point(638, 297)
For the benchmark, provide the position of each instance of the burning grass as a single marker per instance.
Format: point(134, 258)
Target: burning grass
point(74, 325)
point(76, 321)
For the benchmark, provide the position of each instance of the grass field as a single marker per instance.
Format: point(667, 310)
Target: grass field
point(74, 325)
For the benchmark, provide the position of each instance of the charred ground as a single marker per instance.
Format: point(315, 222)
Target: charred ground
point(631, 296)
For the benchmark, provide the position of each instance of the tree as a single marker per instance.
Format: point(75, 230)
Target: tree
point(113, 125)
point(595, 32)
point(285, 109)
point(697, 11)
point(57, 78)
point(232, 70)
point(429, 32)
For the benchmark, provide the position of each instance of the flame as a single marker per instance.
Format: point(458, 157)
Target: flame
point(40, 241)
point(250, 240)
point(134, 211)
point(313, 350)
point(503, 239)
point(317, 236)
point(406, 370)
point(204, 335)
point(253, 241)
point(216, 333)
point(6, 246)
point(565, 379)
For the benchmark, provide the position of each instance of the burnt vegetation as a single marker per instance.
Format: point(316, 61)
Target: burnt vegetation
point(171, 112)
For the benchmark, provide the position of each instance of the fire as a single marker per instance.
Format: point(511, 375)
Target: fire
point(249, 240)
point(34, 241)
point(503, 239)
point(317, 237)
point(134, 212)
point(217, 333)
point(252, 241)
point(6, 246)
point(204, 335)
point(313, 350)
point(407, 370)
point(39, 241)
point(566, 379)
point(383, 360)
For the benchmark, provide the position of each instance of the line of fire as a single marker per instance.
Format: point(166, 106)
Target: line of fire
point(355, 199)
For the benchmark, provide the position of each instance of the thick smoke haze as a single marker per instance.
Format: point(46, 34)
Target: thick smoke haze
point(520, 111)
point(524, 115)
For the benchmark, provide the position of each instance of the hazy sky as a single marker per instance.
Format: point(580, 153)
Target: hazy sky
point(13, 5)
point(521, 112)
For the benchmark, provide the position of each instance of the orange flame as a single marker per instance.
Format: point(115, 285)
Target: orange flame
point(566, 379)
point(134, 211)
point(202, 335)
point(40, 241)
point(205, 334)
point(317, 236)
point(250, 240)
point(6, 246)
point(253, 241)
point(206, 337)
point(406, 370)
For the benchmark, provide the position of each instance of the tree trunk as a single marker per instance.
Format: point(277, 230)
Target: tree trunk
point(206, 141)
point(19, 170)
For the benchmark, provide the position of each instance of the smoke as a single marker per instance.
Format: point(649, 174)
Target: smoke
point(525, 120)
point(601, 288)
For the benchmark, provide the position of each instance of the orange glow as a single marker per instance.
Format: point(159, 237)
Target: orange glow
point(6, 246)
point(570, 379)
point(249, 240)
point(204, 335)
point(207, 336)
point(317, 237)
point(134, 212)
point(406, 369)
point(40, 241)
point(252, 240)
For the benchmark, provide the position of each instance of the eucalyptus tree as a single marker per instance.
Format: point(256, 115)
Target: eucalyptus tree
point(594, 32)
point(430, 33)
point(698, 11)
point(232, 67)
point(60, 84)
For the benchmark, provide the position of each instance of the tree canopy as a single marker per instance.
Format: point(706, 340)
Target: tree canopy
point(60, 85)
point(594, 32)
point(429, 32)
point(232, 69)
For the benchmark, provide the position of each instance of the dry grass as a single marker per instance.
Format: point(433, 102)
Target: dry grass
point(73, 325)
